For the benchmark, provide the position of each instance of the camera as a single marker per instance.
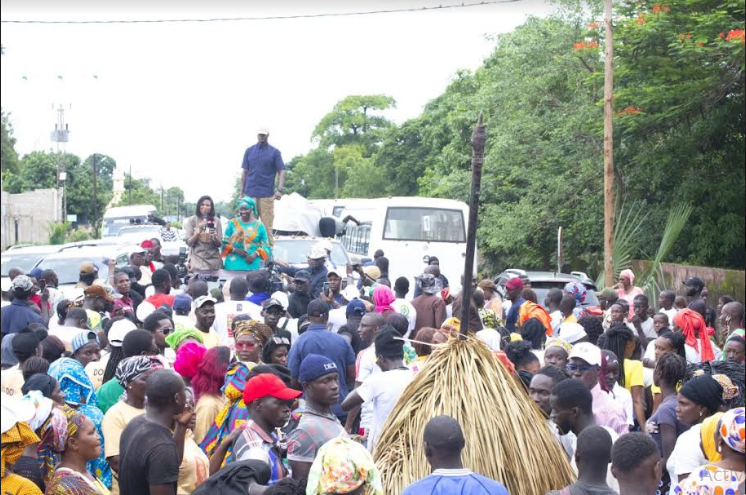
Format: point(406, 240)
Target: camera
point(274, 282)
point(181, 268)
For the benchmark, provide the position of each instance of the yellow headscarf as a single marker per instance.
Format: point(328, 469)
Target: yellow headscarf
point(259, 330)
point(15, 441)
point(709, 428)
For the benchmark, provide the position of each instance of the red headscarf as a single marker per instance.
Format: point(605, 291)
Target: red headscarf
point(382, 298)
point(692, 324)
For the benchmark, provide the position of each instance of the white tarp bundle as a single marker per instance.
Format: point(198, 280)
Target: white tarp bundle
point(294, 214)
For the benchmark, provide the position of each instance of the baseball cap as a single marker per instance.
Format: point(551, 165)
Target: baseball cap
point(182, 302)
point(514, 283)
point(694, 282)
point(571, 332)
point(272, 303)
point(82, 338)
point(372, 271)
point(147, 244)
point(315, 366)
point(317, 252)
point(356, 307)
point(202, 300)
point(268, 385)
point(263, 130)
point(317, 308)
point(302, 275)
point(487, 284)
point(587, 352)
point(22, 282)
point(97, 291)
point(333, 271)
point(119, 329)
point(87, 268)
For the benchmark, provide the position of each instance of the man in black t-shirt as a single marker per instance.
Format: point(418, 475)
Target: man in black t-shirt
point(149, 453)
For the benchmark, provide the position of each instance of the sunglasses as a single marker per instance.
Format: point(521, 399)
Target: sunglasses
point(245, 345)
point(280, 340)
point(167, 330)
point(571, 368)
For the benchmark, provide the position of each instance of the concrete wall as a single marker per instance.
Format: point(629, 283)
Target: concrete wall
point(32, 212)
point(719, 282)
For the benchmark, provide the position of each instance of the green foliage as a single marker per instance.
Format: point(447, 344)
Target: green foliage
point(57, 232)
point(8, 154)
point(138, 192)
point(352, 121)
point(79, 188)
point(78, 235)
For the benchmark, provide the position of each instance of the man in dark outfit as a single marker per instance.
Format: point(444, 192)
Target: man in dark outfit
point(149, 453)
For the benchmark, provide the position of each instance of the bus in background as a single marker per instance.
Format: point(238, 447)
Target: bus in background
point(409, 229)
point(124, 216)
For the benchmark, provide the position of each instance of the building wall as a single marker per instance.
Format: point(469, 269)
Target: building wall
point(719, 282)
point(32, 212)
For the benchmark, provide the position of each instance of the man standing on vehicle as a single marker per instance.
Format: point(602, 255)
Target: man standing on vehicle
point(261, 163)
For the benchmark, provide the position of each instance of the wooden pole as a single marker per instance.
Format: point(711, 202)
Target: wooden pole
point(478, 138)
point(608, 150)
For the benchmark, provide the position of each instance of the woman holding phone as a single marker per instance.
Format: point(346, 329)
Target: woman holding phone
point(204, 237)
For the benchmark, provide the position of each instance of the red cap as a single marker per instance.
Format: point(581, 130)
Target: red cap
point(267, 384)
point(514, 283)
point(147, 244)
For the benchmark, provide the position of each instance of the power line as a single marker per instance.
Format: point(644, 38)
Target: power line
point(264, 18)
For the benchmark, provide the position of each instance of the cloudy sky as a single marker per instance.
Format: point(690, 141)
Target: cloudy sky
point(180, 102)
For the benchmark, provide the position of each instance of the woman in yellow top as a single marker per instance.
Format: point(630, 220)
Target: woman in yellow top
point(620, 340)
point(246, 244)
point(83, 444)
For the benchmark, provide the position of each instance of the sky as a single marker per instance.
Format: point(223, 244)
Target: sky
point(180, 102)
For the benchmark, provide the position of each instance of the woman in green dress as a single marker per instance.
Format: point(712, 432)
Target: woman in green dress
point(245, 245)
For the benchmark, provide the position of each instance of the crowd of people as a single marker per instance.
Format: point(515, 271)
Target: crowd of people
point(149, 383)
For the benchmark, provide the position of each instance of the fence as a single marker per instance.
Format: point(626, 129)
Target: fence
point(719, 282)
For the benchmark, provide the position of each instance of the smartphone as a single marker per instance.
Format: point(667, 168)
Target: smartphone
point(326, 288)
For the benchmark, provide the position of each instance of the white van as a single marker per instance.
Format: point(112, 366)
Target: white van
point(121, 216)
point(408, 229)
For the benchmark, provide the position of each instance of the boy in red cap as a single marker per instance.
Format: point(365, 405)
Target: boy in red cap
point(269, 403)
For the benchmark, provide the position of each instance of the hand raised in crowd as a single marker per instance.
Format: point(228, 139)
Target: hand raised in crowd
point(185, 417)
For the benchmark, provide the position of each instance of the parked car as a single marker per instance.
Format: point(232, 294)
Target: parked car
point(294, 251)
point(542, 282)
point(25, 258)
point(135, 234)
point(66, 263)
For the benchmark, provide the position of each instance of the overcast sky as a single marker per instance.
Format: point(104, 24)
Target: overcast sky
point(180, 102)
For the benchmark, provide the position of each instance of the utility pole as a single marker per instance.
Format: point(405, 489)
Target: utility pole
point(95, 198)
point(61, 134)
point(129, 194)
point(608, 149)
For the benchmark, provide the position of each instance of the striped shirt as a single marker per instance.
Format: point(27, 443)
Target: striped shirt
point(255, 443)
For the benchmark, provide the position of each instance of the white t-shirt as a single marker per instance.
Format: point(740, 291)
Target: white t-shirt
point(382, 390)
point(686, 456)
point(624, 399)
point(647, 373)
point(405, 308)
point(670, 313)
point(556, 322)
point(648, 328)
point(491, 337)
point(226, 311)
point(337, 318)
point(367, 368)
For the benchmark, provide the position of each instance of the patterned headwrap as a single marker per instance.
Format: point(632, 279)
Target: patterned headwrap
point(451, 325)
point(182, 333)
point(707, 436)
point(130, 368)
point(730, 391)
point(576, 290)
point(558, 342)
point(233, 414)
point(249, 203)
point(341, 466)
point(42, 408)
point(690, 322)
point(75, 420)
point(732, 429)
point(14, 442)
point(53, 434)
point(259, 330)
point(74, 381)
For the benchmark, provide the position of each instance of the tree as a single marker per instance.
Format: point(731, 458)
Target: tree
point(352, 121)
point(79, 188)
point(8, 155)
point(38, 170)
point(138, 192)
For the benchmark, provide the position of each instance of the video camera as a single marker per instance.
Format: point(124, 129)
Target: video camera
point(181, 268)
point(274, 282)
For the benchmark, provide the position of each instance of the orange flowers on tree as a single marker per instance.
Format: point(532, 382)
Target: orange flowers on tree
point(737, 35)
